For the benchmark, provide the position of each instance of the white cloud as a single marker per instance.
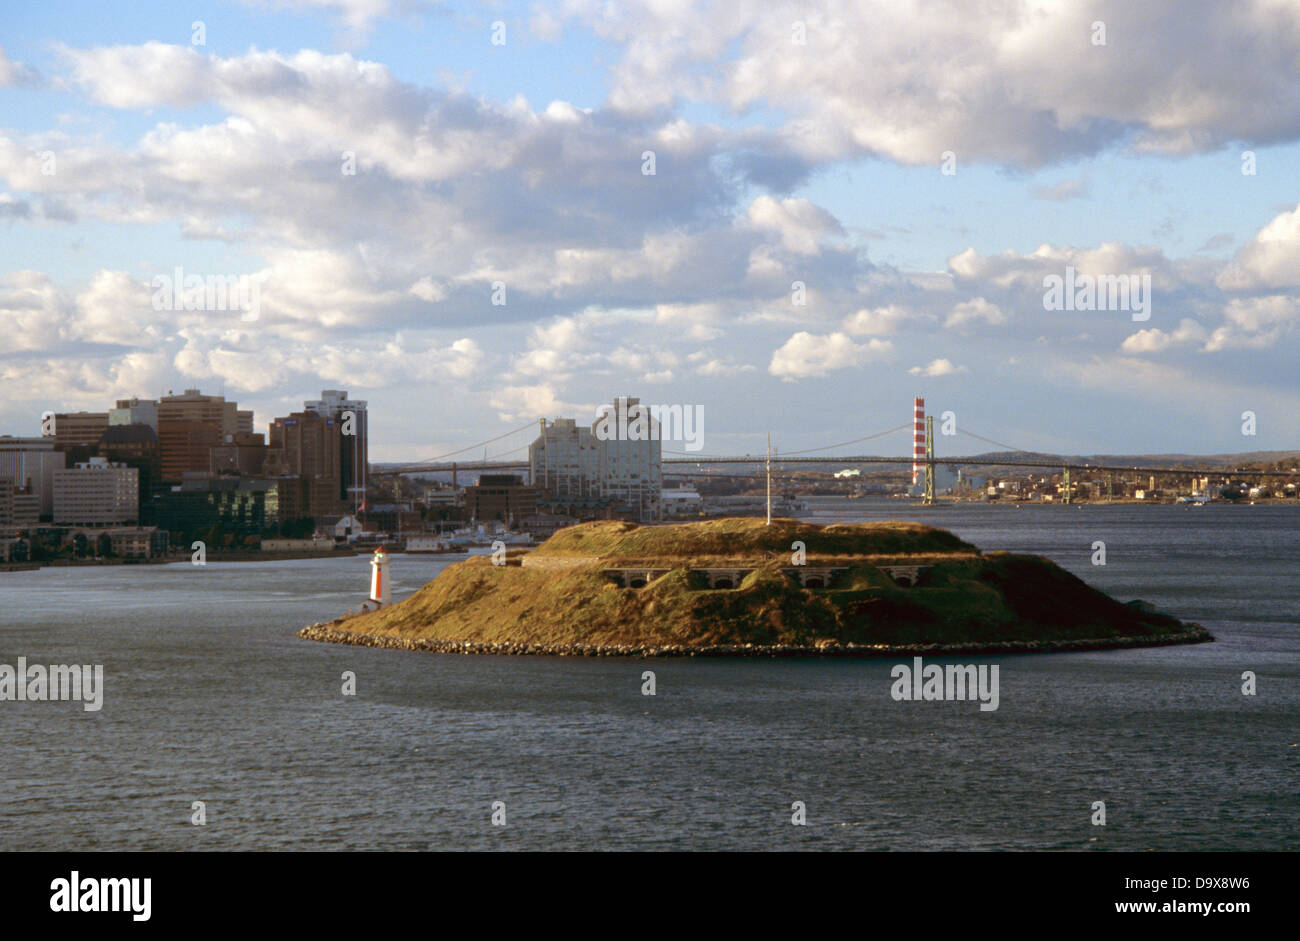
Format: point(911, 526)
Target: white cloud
point(722, 368)
point(968, 313)
point(936, 367)
point(1270, 260)
point(1255, 322)
point(881, 320)
point(1155, 340)
point(800, 224)
point(806, 354)
point(1019, 84)
point(515, 403)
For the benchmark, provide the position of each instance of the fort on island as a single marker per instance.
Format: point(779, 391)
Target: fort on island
point(740, 587)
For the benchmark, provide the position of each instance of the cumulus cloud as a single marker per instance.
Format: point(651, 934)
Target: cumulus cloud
point(881, 320)
point(1255, 322)
point(380, 278)
point(1020, 84)
point(714, 367)
point(1270, 260)
point(1155, 340)
point(805, 354)
point(522, 402)
point(798, 223)
point(936, 367)
point(967, 313)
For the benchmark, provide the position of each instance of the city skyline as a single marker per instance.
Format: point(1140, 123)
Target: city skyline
point(791, 257)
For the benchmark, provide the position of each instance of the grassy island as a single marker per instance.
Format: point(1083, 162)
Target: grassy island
point(737, 586)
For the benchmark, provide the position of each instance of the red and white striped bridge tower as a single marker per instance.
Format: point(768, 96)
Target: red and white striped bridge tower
point(918, 439)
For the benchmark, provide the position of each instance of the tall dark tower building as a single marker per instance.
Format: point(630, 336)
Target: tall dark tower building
point(354, 457)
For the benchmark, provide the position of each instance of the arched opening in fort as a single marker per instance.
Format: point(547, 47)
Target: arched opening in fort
point(636, 583)
point(723, 583)
point(903, 581)
point(814, 583)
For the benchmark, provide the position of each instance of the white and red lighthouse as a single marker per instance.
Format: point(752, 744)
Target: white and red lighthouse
point(918, 439)
point(379, 589)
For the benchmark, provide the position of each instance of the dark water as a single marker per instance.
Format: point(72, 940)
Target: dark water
point(210, 696)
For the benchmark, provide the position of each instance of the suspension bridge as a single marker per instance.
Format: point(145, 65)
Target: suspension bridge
point(922, 461)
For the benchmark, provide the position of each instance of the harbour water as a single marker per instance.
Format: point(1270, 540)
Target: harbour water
point(209, 696)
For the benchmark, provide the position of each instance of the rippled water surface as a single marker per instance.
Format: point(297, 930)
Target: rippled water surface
point(210, 696)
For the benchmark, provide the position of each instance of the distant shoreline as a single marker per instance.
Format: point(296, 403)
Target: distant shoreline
point(179, 558)
point(323, 633)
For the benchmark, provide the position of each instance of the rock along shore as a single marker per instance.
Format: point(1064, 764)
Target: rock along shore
point(327, 634)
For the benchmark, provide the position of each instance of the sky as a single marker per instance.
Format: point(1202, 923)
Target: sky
point(448, 212)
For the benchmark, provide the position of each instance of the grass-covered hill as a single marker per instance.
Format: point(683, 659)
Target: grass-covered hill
point(561, 595)
point(745, 539)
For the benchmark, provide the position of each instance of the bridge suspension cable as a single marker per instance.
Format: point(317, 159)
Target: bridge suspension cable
point(831, 447)
point(441, 457)
point(825, 447)
point(1000, 444)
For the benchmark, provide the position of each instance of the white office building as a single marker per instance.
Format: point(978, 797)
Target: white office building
point(631, 458)
point(564, 461)
point(96, 493)
point(617, 460)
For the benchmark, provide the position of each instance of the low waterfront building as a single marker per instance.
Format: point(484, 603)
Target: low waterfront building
point(681, 501)
point(127, 542)
point(237, 506)
point(543, 526)
point(298, 545)
point(427, 543)
point(502, 497)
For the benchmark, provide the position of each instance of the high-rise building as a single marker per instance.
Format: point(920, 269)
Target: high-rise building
point(137, 446)
point(190, 425)
point(78, 429)
point(309, 445)
point(96, 493)
point(354, 422)
point(186, 447)
point(212, 410)
point(631, 457)
point(7, 526)
point(134, 412)
point(241, 455)
point(31, 463)
point(27, 509)
point(615, 464)
point(564, 461)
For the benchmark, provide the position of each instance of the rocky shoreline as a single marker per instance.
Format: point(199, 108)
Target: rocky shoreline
point(325, 633)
